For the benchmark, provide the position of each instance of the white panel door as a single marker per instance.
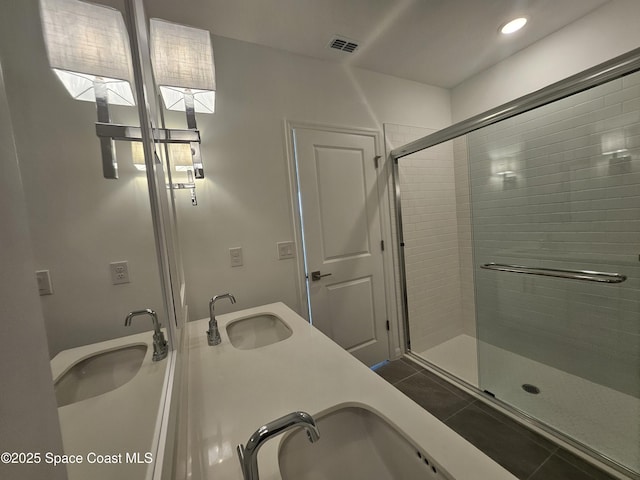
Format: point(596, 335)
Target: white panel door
point(342, 237)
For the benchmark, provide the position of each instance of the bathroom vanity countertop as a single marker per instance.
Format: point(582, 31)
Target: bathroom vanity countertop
point(120, 421)
point(233, 392)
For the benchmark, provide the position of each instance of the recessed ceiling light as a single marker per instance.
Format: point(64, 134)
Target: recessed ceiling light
point(513, 26)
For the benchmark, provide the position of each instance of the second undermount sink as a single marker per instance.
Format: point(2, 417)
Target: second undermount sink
point(257, 331)
point(354, 444)
point(99, 373)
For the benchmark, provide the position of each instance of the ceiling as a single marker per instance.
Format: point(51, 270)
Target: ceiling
point(438, 42)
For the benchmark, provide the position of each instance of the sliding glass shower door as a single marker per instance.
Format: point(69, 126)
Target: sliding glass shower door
point(555, 200)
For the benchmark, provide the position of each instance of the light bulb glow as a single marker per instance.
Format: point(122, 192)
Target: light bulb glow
point(513, 26)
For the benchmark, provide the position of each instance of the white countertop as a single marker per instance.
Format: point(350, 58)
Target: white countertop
point(232, 392)
point(117, 422)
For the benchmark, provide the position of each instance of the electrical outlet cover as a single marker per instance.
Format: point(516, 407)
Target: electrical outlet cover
point(119, 272)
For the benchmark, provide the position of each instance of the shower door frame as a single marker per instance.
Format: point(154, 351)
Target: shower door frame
point(610, 70)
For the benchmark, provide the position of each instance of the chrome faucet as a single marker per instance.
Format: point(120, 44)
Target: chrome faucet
point(213, 334)
point(160, 347)
point(249, 455)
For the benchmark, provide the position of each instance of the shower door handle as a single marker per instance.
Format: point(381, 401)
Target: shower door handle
point(315, 276)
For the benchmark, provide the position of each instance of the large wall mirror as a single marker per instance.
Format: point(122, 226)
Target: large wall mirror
point(99, 267)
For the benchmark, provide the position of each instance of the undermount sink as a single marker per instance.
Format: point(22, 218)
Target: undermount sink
point(99, 373)
point(354, 444)
point(257, 331)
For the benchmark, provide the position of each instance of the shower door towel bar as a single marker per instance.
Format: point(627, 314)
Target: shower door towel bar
point(587, 275)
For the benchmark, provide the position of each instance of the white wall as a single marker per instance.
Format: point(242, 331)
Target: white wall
point(244, 200)
point(607, 32)
point(79, 221)
point(29, 414)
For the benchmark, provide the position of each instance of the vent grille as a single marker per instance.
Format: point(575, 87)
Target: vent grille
point(343, 44)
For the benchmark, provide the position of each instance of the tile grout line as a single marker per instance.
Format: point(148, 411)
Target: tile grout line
point(509, 423)
point(458, 411)
point(540, 466)
point(403, 379)
point(458, 392)
point(582, 470)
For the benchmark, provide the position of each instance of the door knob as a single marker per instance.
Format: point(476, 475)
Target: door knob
point(315, 276)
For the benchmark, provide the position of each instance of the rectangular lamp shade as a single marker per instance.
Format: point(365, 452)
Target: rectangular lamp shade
point(182, 59)
point(179, 156)
point(613, 142)
point(86, 42)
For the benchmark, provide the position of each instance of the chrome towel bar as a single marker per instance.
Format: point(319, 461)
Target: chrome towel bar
point(587, 275)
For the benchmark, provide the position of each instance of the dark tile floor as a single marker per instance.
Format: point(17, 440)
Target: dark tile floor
point(523, 452)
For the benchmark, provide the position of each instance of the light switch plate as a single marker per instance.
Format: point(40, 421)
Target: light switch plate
point(235, 254)
point(286, 250)
point(44, 282)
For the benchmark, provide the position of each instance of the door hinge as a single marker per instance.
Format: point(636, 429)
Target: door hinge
point(376, 160)
point(382, 245)
point(388, 328)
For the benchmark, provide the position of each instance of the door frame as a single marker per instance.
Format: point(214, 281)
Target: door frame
point(383, 176)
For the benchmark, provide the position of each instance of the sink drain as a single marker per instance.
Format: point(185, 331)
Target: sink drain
point(527, 387)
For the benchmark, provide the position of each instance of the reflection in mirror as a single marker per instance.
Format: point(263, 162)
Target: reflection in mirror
point(92, 239)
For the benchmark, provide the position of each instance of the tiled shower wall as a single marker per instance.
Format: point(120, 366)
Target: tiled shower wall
point(465, 238)
point(432, 204)
point(571, 200)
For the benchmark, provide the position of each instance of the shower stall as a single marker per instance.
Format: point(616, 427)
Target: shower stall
point(518, 234)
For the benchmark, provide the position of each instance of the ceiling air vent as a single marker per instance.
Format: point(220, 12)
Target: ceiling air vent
point(343, 44)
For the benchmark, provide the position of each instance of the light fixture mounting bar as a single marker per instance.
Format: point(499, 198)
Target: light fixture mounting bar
point(196, 156)
point(134, 134)
point(108, 132)
point(107, 147)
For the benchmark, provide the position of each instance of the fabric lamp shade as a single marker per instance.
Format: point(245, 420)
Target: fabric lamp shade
point(182, 60)
point(179, 156)
point(85, 43)
point(614, 142)
point(137, 156)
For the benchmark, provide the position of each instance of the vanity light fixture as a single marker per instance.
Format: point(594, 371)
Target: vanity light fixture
point(504, 167)
point(507, 175)
point(615, 152)
point(88, 49)
point(179, 155)
point(614, 143)
point(183, 66)
point(513, 25)
point(137, 156)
